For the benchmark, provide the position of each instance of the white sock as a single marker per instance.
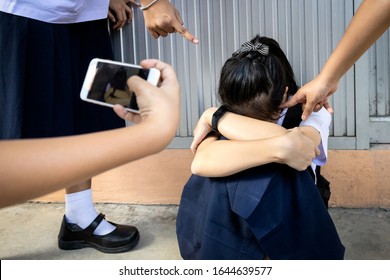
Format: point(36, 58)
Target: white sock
point(79, 209)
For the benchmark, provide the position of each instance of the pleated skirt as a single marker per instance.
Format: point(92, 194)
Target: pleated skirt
point(42, 69)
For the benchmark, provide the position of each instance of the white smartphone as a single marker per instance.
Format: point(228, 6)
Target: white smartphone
point(106, 83)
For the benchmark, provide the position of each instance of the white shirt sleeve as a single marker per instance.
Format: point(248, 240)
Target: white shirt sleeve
point(320, 121)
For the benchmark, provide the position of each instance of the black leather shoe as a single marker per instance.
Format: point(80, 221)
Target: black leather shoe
point(121, 239)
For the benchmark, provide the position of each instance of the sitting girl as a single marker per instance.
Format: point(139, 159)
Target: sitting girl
point(241, 203)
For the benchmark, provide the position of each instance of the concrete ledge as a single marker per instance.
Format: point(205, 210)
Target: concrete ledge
point(358, 179)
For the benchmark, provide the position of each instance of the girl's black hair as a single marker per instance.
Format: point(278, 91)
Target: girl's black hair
point(253, 84)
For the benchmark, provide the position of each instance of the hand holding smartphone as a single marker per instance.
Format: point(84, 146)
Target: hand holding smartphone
point(106, 83)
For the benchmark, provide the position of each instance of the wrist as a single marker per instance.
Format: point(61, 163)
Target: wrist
point(146, 4)
point(162, 130)
point(209, 115)
point(283, 148)
point(328, 77)
point(217, 116)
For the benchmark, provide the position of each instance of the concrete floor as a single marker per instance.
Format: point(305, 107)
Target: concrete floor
point(29, 231)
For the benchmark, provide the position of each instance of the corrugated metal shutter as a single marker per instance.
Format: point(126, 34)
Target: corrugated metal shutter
point(379, 92)
point(307, 30)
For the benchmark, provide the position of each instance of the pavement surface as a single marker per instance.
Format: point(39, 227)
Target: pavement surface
point(29, 232)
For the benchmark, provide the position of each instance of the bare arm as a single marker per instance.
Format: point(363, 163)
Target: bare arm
point(251, 143)
point(238, 127)
point(31, 168)
point(371, 20)
point(234, 127)
point(225, 157)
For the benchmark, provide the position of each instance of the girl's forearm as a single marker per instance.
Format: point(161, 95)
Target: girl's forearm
point(226, 157)
point(251, 143)
point(238, 127)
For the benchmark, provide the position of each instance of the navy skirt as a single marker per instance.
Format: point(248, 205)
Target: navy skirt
point(271, 211)
point(42, 70)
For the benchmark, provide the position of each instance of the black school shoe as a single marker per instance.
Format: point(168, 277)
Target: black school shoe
point(121, 239)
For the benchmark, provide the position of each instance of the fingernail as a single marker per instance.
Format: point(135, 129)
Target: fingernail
point(195, 41)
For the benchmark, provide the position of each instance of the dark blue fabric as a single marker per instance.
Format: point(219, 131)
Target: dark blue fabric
point(41, 73)
point(271, 211)
point(12, 60)
point(207, 228)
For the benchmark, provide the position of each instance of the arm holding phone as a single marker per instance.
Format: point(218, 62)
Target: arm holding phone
point(64, 161)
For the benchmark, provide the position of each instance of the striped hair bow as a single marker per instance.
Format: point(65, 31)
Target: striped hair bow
point(250, 47)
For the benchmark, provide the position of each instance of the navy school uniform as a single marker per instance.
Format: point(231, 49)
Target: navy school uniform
point(270, 211)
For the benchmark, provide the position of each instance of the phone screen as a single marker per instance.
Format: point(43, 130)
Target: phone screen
point(110, 84)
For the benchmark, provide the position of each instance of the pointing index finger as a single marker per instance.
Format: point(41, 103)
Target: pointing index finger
point(185, 33)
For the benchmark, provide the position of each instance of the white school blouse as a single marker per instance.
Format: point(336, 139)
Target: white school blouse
point(57, 11)
point(320, 121)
